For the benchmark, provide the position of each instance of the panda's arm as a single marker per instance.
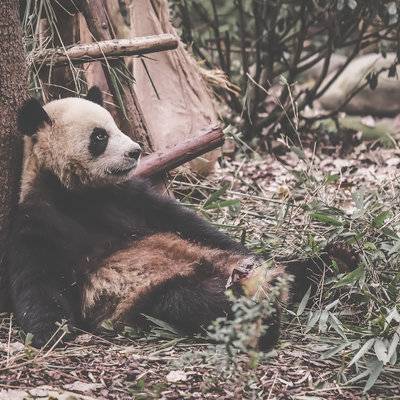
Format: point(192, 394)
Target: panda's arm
point(38, 282)
point(167, 214)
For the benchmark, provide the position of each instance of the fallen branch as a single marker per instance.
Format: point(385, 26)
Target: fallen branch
point(164, 161)
point(114, 48)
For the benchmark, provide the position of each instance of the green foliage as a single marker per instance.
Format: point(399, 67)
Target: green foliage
point(361, 306)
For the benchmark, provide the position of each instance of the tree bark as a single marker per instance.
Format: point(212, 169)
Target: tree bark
point(182, 104)
point(13, 91)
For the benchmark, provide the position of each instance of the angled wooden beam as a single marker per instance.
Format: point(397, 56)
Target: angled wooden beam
point(114, 48)
point(163, 161)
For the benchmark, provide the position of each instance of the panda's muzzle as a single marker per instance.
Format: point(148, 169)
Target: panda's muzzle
point(120, 171)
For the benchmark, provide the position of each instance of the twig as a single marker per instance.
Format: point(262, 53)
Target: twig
point(217, 34)
point(245, 61)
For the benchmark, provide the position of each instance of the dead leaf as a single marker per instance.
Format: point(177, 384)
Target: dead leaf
point(82, 387)
point(14, 347)
point(176, 376)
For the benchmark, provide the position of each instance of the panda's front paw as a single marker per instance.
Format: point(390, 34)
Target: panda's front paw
point(344, 255)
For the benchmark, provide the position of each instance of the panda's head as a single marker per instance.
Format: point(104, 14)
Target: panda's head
point(76, 139)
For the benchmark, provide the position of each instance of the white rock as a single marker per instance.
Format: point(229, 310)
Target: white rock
point(383, 101)
point(176, 376)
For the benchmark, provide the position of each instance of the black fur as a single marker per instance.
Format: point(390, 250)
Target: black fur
point(189, 303)
point(94, 94)
point(98, 142)
point(59, 236)
point(31, 117)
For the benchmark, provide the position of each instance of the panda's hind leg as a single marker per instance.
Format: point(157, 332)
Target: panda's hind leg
point(189, 302)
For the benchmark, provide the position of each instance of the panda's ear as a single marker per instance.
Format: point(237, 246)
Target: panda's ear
point(95, 95)
point(31, 116)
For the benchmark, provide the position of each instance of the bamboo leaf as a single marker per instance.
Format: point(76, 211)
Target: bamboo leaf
point(350, 278)
point(337, 325)
point(304, 302)
point(364, 349)
point(380, 219)
point(380, 350)
point(222, 204)
point(374, 375)
point(337, 349)
point(162, 324)
point(323, 321)
point(326, 219)
point(313, 320)
point(216, 195)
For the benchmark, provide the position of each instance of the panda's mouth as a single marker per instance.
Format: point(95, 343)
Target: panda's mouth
point(120, 171)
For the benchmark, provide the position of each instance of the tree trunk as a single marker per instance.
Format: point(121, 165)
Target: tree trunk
point(131, 116)
point(170, 86)
point(13, 91)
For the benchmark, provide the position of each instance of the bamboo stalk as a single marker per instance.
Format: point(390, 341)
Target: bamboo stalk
point(113, 48)
point(163, 161)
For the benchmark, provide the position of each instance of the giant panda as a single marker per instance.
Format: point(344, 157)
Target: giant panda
point(92, 243)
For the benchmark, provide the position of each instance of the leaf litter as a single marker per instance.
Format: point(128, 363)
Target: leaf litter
point(342, 344)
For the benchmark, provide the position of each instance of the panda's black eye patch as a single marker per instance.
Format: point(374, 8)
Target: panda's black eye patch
point(98, 142)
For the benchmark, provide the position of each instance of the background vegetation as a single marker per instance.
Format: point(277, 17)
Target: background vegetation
point(265, 47)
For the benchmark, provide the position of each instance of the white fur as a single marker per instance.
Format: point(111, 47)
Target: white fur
point(63, 147)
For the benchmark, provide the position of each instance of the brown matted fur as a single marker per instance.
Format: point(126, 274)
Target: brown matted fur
point(127, 275)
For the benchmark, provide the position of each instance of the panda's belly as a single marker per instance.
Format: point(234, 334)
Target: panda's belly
point(131, 273)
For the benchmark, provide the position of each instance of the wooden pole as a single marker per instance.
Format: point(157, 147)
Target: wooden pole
point(163, 161)
point(89, 52)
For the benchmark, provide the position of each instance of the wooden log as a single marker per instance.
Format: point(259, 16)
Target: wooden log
point(163, 161)
point(83, 53)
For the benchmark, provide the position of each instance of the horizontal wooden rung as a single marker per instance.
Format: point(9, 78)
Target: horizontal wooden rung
point(82, 53)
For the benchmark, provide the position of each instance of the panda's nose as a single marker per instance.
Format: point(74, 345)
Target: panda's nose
point(134, 154)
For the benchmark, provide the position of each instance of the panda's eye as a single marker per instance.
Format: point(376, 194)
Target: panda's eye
point(98, 142)
point(101, 136)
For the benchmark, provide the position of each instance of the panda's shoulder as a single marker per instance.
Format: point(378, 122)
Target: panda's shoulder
point(38, 214)
point(137, 185)
point(138, 188)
